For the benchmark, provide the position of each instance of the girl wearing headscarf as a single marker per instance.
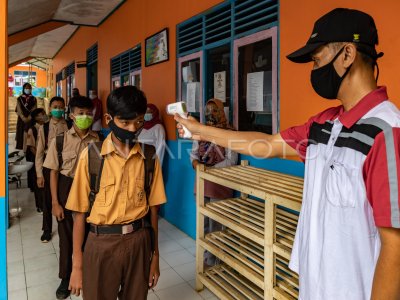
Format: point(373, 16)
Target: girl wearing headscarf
point(153, 132)
point(216, 156)
point(26, 103)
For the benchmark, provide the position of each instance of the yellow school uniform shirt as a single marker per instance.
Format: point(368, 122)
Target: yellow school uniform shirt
point(55, 128)
point(72, 147)
point(121, 198)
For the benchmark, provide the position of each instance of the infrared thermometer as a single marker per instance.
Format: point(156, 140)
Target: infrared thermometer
point(180, 109)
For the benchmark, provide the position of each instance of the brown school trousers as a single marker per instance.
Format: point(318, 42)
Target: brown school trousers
point(65, 228)
point(47, 216)
point(116, 265)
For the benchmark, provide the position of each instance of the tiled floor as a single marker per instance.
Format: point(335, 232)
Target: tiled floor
point(33, 266)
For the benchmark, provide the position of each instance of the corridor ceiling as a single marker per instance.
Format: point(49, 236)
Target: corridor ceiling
point(39, 28)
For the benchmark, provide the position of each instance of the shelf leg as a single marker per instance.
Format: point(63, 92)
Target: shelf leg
point(269, 263)
point(199, 226)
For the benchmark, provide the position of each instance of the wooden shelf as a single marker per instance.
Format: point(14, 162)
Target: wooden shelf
point(226, 283)
point(285, 190)
point(245, 216)
point(257, 241)
point(239, 252)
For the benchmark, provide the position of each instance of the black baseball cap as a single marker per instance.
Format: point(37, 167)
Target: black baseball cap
point(341, 25)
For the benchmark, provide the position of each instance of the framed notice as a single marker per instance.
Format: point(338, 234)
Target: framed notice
point(157, 48)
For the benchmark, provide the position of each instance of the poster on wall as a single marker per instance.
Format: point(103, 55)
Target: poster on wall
point(157, 48)
point(220, 86)
point(259, 91)
point(193, 96)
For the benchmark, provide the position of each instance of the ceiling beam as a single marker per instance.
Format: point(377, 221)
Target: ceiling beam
point(20, 61)
point(34, 31)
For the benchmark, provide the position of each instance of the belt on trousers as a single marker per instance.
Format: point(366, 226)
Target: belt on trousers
point(119, 228)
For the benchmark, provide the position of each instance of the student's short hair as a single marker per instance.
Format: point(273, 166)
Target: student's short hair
point(80, 102)
point(56, 98)
point(36, 112)
point(126, 102)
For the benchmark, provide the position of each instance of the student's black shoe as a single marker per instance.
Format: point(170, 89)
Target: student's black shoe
point(46, 237)
point(39, 211)
point(63, 291)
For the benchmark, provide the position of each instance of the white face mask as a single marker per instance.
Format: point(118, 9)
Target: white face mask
point(92, 96)
point(148, 117)
point(27, 91)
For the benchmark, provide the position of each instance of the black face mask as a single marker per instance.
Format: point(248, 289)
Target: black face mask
point(125, 136)
point(326, 81)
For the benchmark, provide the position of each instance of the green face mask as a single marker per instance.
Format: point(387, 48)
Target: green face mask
point(57, 113)
point(83, 121)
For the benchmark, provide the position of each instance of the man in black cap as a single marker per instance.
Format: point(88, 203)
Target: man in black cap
point(348, 238)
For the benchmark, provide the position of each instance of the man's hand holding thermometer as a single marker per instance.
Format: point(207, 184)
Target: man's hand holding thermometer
point(186, 125)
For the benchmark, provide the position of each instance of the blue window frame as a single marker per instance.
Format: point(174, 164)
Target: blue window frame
point(217, 29)
point(123, 65)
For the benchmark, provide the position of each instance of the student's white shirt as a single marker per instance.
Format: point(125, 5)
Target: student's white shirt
point(155, 136)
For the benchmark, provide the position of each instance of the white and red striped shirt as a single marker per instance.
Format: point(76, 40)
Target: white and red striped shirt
point(351, 186)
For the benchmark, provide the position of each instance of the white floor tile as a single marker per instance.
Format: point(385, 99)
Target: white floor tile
point(168, 278)
point(42, 276)
point(163, 264)
point(43, 292)
point(187, 242)
point(152, 296)
point(187, 271)
point(16, 282)
point(15, 267)
point(169, 246)
point(192, 250)
point(178, 257)
point(17, 295)
point(44, 262)
point(181, 292)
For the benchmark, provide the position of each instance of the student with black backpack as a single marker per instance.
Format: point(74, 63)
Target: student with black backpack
point(38, 118)
point(46, 133)
point(116, 189)
point(62, 158)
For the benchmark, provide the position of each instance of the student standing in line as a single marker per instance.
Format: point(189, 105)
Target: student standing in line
point(26, 103)
point(348, 236)
point(97, 111)
point(47, 132)
point(62, 159)
point(153, 132)
point(121, 257)
point(38, 118)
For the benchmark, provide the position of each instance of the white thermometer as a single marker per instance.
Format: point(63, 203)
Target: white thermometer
point(180, 109)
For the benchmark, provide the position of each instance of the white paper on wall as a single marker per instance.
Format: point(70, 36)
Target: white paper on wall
point(255, 89)
point(220, 86)
point(193, 96)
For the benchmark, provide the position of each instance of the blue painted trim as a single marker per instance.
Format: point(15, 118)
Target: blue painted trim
point(3, 236)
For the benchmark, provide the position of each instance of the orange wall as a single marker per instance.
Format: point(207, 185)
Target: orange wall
point(41, 76)
point(75, 50)
point(130, 25)
point(298, 100)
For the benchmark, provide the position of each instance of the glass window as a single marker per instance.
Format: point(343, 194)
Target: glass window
point(190, 83)
point(125, 79)
point(115, 82)
point(218, 76)
point(256, 77)
point(136, 79)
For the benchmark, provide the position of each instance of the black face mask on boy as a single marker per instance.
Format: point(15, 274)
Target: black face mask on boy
point(326, 81)
point(125, 136)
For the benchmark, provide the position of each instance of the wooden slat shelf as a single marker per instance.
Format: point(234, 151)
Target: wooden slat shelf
point(236, 214)
point(237, 251)
point(257, 241)
point(226, 283)
point(280, 188)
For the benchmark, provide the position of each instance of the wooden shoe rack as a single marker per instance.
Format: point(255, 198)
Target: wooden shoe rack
point(259, 227)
